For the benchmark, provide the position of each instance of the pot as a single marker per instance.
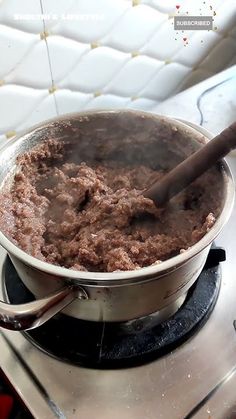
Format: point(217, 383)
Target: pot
point(116, 296)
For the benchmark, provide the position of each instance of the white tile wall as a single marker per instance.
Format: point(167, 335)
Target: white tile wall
point(17, 103)
point(9, 8)
point(121, 53)
point(33, 68)
point(95, 69)
point(133, 76)
point(134, 28)
point(15, 45)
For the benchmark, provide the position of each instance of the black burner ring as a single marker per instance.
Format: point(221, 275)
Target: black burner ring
point(79, 342)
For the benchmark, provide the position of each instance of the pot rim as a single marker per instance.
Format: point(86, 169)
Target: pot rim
point(134, 276)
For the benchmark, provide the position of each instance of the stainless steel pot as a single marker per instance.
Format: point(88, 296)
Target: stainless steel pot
point(117, 296)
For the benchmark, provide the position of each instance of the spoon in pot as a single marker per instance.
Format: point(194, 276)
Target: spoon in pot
point(194, 166)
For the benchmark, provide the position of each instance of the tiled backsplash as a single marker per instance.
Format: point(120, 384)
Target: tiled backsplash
point(120, 53)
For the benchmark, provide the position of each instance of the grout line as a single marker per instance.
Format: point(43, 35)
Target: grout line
point(75, 64)
point(49, 62)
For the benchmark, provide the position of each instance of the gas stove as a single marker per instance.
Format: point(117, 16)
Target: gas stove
point(122, 344)
point(183, 367)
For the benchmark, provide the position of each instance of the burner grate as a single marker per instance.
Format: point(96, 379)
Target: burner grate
point(79, 342)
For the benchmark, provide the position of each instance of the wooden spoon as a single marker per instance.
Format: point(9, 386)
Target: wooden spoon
point(194, 166)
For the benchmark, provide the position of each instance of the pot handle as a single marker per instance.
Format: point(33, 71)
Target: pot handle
point(31, 315)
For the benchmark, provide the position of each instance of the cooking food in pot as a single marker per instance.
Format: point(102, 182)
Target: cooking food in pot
point(90, 215)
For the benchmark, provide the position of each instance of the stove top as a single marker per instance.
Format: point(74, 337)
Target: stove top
point(123, 344)
point(195, 380)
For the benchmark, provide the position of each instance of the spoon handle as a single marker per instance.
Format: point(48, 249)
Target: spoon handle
point(193, 167)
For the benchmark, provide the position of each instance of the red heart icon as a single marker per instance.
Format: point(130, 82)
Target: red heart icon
point(184, 39)
point(177, 6)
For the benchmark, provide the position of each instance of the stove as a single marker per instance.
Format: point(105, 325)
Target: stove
point(181, 368)
point(124, 344)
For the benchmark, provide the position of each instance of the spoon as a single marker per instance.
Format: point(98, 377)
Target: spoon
point(194, 166)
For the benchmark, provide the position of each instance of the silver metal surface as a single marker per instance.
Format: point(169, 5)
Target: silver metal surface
point(148, 322)
point(34, 314)
point(197, 380)
point(124, 295)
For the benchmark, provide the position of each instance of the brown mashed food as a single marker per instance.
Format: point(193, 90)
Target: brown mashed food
point(92, 217)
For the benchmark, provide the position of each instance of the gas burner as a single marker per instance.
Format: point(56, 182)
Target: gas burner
point(118, 345)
